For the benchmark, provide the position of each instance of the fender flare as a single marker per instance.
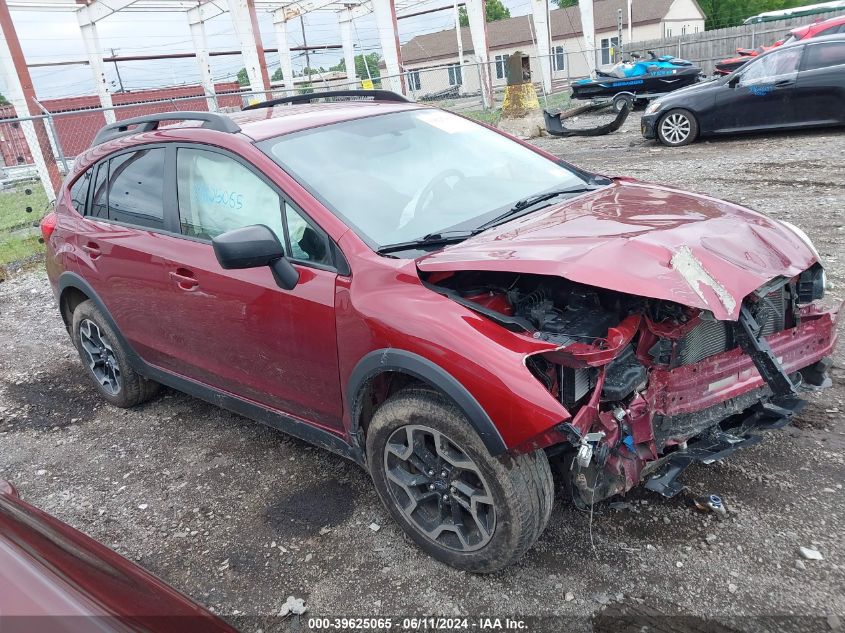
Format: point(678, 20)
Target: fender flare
point(71, 280)
point(398, 360)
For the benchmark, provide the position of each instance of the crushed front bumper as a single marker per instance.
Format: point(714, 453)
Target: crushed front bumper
point(731, 374)
point(648, 125)
point(701, 411)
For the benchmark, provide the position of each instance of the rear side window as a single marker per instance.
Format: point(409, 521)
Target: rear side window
point(825, 55)
point(79, 192)
point(136, 188)
point(129, 188)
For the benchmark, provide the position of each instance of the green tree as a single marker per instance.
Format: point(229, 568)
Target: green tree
point(722, 13)
point(277, 76)
point(243, 78)
point(495, 11)
point(565, 3)
point(372, 60)
point(3, 100)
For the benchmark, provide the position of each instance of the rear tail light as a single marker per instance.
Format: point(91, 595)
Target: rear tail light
point(48, 225)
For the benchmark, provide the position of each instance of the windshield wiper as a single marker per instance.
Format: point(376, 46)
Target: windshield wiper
point(441, 238)
point(527, 203)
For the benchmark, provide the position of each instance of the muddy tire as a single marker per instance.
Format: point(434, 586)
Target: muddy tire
point(677, 128)
point(458, 503)
point(105, 359)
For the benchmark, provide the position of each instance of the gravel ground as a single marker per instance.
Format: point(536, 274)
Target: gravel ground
point(240, 516)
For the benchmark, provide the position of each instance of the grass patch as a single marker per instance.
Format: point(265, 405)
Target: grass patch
point(14, 248)
point(560, 100)
point(487, 116)
point(14, 203)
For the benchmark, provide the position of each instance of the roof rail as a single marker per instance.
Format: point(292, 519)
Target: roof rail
point(149, 122)
point(360, 95)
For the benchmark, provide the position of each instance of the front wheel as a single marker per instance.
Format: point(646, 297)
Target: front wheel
point(677, 128)
point(458, 503)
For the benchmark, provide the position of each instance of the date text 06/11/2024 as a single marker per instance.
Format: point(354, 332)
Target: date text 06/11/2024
point(417, 624)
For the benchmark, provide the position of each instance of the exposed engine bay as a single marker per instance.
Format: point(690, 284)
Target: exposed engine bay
point(651, 385)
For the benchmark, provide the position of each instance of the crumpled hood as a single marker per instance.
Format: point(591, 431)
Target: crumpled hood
point(643, 240)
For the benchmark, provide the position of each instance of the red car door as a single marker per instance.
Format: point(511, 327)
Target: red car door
point(236, 330)
point(117, 240)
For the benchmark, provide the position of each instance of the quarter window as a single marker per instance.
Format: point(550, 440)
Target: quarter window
point(79, 192)
point(217, 194)
point(825, 55)
point(136, 187)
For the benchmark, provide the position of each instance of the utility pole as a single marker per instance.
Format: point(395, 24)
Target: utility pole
point(305, 45)
point(117, 70)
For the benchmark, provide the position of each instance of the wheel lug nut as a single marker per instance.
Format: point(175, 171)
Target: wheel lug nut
point(431, 473)
point(431, 486)
point(443, 473)
point(445, 497)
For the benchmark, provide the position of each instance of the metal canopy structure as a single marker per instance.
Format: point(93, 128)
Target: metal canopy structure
point(244, 16)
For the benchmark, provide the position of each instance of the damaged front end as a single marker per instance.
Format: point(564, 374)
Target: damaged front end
point(651, 386)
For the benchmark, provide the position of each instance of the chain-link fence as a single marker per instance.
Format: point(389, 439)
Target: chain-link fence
point(37, 151)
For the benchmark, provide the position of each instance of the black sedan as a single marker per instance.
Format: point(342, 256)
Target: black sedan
point(794, 86)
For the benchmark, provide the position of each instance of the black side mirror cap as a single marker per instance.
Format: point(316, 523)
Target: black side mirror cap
point(734, 81)
point(247, 247)
point(253, 247)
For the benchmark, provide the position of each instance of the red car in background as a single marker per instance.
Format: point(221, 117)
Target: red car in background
point(54, 578)
point(816, 29)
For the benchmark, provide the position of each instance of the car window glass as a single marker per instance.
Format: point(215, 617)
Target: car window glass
point(217, 194)
point(136, 187)
point(100, 201)
point(825, 55)
point(306, 242)
point(767, 68)
point(79, 192)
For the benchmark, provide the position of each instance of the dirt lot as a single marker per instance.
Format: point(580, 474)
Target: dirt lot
point(240, 516)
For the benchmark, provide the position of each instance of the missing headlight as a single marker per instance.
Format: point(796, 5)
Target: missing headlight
point(811, 284)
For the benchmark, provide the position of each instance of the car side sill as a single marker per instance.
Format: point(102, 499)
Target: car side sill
point(270, 417)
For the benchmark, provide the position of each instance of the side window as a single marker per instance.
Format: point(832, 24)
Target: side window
point(825, 55)
point(217, 194)
point(136, 188)
point(100, 199)
point(79, 192)
point(767, 68)
point(307, 243)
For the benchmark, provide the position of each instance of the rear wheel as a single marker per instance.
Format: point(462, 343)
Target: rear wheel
point(106, 359)
point(458, 503)
point(677, 127)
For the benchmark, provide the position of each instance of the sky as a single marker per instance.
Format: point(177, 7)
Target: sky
point(54, 36)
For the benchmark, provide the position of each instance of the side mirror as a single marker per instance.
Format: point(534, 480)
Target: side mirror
point(253, 247)
point(734, 82)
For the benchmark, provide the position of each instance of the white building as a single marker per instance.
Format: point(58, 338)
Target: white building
point(432, 59)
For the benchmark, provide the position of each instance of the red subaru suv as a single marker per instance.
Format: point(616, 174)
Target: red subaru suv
point(449, 307)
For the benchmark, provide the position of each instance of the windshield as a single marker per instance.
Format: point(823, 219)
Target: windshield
point(397, 177)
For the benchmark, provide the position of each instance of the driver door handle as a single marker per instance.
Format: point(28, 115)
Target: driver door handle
point(783, 83)
point(184, 278)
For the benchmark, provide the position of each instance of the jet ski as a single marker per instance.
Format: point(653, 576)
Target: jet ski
point(653, 76)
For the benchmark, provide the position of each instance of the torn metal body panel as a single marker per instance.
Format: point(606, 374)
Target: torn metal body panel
point(668, 339)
